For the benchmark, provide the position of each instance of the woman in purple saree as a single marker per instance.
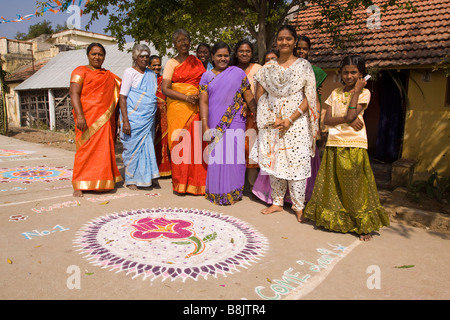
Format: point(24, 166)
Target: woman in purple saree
point(223, 91)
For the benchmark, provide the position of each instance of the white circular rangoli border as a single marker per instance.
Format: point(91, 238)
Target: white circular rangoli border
point(170, 243)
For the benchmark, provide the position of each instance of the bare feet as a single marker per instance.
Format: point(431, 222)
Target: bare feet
point(273, 208)
point(300, 217)
point(365, 237)
point(78, 193)
point(132, 187)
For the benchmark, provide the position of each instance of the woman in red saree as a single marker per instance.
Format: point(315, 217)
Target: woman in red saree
point(94, 93)
point(180, 84)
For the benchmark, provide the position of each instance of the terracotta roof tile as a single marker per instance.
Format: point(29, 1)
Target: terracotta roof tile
point(423, 38)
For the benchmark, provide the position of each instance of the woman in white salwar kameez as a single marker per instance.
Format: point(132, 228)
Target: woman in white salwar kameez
point(288, 124)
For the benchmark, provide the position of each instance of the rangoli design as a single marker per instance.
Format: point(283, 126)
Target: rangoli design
point(170, 243)
point(31, 174)
point(5, 153)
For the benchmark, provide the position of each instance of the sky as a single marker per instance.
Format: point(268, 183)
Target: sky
point(9, 9)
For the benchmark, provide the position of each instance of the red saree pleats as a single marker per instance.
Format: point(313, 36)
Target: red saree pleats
point(161, 135)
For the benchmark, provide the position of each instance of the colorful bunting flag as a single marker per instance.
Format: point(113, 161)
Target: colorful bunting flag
point(49, 6)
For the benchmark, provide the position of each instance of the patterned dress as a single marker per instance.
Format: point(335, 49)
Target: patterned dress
point(286, 156)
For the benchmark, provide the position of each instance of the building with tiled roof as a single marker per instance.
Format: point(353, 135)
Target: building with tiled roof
point(396, 38)
point(407, 53)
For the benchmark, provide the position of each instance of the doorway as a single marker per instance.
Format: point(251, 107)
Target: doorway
point(385, 117)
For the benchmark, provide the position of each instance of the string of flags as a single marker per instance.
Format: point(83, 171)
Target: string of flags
point(52, 6)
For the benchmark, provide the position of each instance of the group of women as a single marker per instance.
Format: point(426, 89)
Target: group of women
point(212, 120)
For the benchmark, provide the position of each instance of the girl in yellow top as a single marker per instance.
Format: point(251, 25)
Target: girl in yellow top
point(345, 196)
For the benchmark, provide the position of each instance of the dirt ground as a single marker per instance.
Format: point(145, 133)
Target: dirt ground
point(66, 140)
point(57, 139)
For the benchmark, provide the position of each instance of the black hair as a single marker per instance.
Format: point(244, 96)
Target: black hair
point(220, 45)
point(217, 46)
point(275, 51)
point(304, 38)
point(207, 46)
point(289, 28)
point(234, 59)
point(152, 57)
point(95, 44)
point(293, 32)
point(355, 60)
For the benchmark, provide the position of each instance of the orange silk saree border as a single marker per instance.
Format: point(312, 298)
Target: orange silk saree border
point(96, 184)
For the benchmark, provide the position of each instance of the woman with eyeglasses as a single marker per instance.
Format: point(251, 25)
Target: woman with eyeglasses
point(181, 78)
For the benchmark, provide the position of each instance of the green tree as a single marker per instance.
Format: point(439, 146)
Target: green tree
point(227, 20)
point(35, 30)
point(60, 27)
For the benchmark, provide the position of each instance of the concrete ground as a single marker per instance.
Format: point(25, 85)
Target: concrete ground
point(43, 230)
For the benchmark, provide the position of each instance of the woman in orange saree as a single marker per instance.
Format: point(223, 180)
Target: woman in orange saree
point(94, 93)
point(180, 84)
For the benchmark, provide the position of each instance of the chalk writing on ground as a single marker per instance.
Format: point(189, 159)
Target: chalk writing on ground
point(112, 197)
point(35, 233)
point(67, 204)
point(294, 285)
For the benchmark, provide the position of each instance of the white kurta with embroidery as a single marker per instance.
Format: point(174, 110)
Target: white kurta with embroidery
point(286, 155)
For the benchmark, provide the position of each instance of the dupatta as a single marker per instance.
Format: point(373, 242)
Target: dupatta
point(280, 83)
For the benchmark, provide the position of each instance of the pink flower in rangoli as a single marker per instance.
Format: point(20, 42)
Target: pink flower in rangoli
point(149, 228)
point(152, 228)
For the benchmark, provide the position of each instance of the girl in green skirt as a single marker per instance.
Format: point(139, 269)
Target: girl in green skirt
point(345, 196)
